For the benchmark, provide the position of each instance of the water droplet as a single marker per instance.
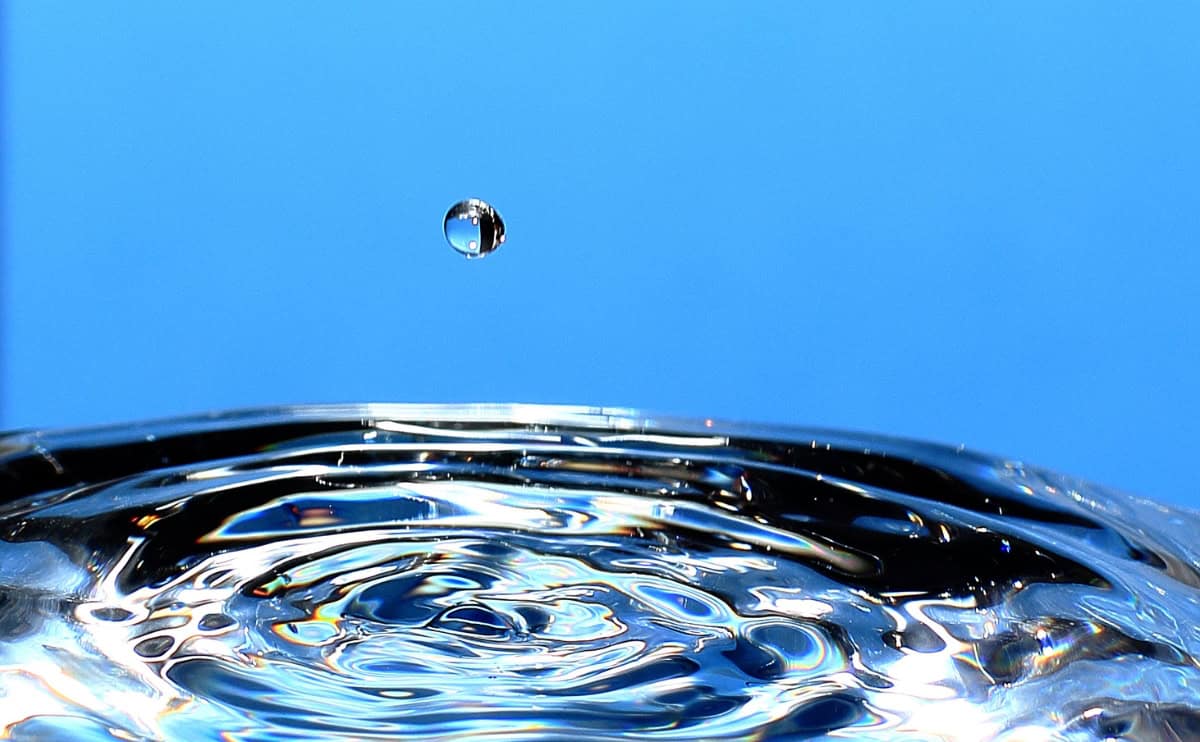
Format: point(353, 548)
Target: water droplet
point(473, 228)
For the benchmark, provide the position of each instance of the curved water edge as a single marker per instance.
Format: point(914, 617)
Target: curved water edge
point(528, 572)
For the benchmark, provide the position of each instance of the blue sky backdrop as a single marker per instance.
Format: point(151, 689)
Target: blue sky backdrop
point(974, 223)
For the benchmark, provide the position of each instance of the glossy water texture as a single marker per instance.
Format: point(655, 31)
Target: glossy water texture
point(473, 228)
point(516, 573)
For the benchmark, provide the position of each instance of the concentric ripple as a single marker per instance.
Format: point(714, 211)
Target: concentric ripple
point(393, 572)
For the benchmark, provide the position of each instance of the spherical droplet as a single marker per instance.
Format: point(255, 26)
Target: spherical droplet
point(473, 228)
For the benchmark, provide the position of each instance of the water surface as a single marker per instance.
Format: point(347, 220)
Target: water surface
point(512, 573)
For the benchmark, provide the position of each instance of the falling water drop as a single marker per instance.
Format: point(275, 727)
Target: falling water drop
point(473, 228)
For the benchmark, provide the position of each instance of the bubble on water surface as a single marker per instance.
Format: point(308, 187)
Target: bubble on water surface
point(526, 573)
point(473, 228)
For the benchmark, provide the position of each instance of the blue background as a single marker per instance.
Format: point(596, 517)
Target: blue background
point(971, 223)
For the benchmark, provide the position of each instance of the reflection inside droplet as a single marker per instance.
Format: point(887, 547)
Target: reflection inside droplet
point(473, 228)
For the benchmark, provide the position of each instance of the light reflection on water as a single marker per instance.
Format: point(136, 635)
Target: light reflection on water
point(532, 573)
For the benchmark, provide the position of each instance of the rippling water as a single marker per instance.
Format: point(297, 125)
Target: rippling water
point(541, 573)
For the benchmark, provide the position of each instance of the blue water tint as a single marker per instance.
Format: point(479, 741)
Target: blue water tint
point(533, 573)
